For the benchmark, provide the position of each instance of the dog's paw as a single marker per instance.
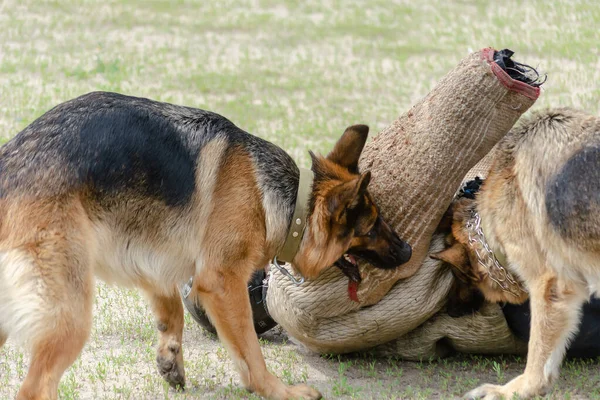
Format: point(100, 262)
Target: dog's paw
point(486, 392)
point(170, 366)
point(520, 386)
point(303, 392)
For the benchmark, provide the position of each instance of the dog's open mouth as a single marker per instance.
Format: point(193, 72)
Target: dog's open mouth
point(348, 263)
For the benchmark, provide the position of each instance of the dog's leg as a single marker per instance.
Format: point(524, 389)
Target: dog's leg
point(3, 338)
point(51, 356)
point(53, 282)
point(58, 331)
point(225, 299)
point(555, 314)
point(169, 322)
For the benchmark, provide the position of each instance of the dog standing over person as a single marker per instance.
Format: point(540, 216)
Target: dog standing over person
point(539, 212)
point(146, 194)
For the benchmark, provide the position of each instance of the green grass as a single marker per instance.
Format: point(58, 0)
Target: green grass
point(296, 73)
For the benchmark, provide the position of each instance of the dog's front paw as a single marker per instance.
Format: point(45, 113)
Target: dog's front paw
point(170, 365)
point(487, 392)
point(521, 386)
point(302, 391)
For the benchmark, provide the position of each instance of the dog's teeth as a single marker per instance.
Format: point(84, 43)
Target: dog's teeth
point(347, 258)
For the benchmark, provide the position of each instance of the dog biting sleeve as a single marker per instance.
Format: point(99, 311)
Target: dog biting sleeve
point(418, 164)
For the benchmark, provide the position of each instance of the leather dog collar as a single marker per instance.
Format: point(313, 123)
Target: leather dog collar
point(297, 225)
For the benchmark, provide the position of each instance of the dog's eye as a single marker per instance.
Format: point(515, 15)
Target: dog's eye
point(371, 234)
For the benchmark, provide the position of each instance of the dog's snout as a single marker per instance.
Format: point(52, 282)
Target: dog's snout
point(387, 251)
point(400, 250)
point(398, 242)
point(406, 253)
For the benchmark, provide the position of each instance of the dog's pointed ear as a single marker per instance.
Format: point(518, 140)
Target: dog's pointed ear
point(359, 190)
point(348, 197)
point(317, 163)
point(457, 256)
point(346, 151)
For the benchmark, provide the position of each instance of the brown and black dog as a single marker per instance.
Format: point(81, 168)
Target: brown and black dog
point(538, 211)
point(146, 194)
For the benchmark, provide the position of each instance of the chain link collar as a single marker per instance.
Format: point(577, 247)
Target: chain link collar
point(488, 260)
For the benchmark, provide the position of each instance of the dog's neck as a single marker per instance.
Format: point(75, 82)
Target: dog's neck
point(297, 224)
point(490, 257)
point(479, 243)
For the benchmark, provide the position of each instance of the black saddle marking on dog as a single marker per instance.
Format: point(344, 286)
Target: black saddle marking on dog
point(573, 197)
point(111, 142)
point(130, 148)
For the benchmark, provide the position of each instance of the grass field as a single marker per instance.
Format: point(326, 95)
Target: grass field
point(296, 73)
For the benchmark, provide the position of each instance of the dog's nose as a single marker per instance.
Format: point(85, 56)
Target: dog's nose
point(403, 252)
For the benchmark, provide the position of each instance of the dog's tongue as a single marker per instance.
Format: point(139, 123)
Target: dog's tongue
point(353, 290)
point(352, 284)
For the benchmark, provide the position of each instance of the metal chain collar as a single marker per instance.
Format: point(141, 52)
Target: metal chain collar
point(486, 258)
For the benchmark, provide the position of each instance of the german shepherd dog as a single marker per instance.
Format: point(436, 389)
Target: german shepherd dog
point(146, 194)
point(539, 209)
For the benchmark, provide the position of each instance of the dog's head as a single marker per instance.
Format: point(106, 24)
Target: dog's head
point(472, 279)
point(344, 222)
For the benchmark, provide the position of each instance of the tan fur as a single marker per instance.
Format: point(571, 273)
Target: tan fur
point(52, 246)
point(168, 311)
point(464, 261)
point(53, 286)
point(560, 273)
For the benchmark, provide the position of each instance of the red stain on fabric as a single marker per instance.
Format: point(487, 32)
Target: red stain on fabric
point(353, 290)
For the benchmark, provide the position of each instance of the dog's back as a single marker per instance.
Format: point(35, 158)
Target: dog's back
point(573, 198)
point(90, 140)
point(110, 143)
point(545, 184)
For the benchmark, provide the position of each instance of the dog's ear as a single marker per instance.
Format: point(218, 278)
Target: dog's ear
point(359, 190)
point(457, 256)
point(346, 151)
point(348, 197)
point(317, 166)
